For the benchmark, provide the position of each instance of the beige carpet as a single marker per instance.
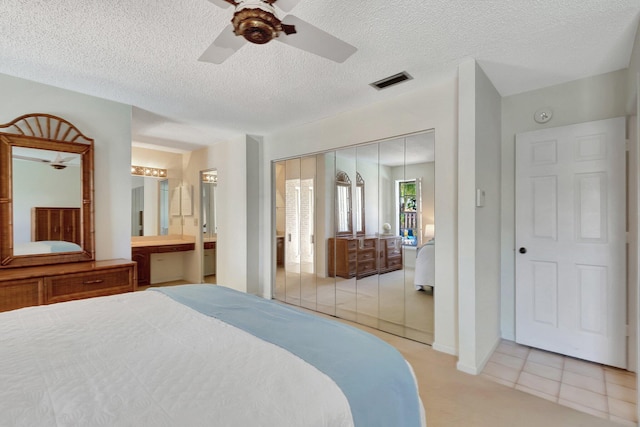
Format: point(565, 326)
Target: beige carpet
point(453, 398)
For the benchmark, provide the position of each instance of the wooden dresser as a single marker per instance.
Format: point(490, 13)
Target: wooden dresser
point(349, 256)
point(55, 224)
point(23, 287)
point(390, 253)
point(363, 256)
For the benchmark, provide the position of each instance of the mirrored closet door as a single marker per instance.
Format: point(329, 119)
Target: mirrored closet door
point(354, 234)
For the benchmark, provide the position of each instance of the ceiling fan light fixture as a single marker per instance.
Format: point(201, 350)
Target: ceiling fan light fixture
point(58, 166)
point(256, 25)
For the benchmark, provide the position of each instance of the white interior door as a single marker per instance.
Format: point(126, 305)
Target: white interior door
point(570, 240)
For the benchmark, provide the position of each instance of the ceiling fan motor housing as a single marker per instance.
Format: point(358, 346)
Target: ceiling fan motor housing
point(256, 21)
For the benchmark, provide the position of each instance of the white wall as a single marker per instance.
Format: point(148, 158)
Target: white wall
point(238, 211)
point(193, 163)
point(435, 108)
point(593, 98)
point(479, 227)
point(109, 124)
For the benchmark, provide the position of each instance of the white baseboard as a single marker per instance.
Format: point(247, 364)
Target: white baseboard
point(476, 370)
point(445, 349)
point(467, 369)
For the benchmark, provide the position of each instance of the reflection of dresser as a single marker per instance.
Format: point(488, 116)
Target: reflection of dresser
point(55, 224)
point(390, 253)
point(349, 257)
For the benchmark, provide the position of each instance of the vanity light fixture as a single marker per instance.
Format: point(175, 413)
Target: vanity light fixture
point(146, 171)
point(210, 177)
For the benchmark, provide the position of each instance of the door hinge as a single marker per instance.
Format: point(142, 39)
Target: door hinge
point(626, 330)
point(627, 144)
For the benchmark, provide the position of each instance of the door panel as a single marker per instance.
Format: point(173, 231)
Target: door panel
point(570, 241)
point(346, 286)
point(292, 232)
point(367, 292)
point(325, 229)
point(279, 171)
point(307, 233)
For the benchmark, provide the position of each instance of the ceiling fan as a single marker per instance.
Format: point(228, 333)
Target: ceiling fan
point(256, 21)
point(58, 163)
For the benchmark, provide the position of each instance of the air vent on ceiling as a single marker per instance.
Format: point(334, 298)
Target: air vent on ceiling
point(392, 80)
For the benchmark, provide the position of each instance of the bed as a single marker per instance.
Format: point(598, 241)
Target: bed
point(196, 355)
point(425, 266)
point(45, 247)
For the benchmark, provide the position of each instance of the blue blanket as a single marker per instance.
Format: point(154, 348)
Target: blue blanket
point(373, 375)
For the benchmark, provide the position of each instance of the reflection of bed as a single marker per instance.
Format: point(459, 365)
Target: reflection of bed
point(425, 266)
point(197, 355)
point(45, 247)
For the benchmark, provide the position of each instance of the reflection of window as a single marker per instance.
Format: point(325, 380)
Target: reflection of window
point(408, 215)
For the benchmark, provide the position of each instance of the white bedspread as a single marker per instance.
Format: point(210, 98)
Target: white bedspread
point(155, 363)
point(45, 247)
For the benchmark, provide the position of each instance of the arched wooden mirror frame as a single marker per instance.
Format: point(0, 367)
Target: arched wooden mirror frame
point(358, 209)
point(44, 132)
point(344, 220)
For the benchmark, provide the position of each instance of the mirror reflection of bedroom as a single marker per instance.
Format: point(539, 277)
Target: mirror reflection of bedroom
point(47, 201)
point(354, 234)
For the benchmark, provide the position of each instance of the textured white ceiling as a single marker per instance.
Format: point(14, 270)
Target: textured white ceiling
point(144, 53)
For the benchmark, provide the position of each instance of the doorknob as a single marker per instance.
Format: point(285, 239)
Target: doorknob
point(523, 250)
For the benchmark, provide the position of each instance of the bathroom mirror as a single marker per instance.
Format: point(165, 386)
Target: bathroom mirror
point(149, 206)
point(208, 192)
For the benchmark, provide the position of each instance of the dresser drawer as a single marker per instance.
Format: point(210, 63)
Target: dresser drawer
point(89, 284)
point(367, 267)
point(20, 293)
point(364, 255)
point(175, 248)
point(395, 262)
point(393, 244)
point(368, 243)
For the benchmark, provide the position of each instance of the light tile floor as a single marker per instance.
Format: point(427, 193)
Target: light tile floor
point(598, 390)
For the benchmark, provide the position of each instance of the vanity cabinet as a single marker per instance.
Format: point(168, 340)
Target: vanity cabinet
point(142, 255)
point(30, 286)
point(209, 258)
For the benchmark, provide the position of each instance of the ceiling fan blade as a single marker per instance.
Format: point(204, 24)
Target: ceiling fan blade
point(223, 47)
point(287, 5)
point(67, 159)
point(314, 40)
point(33, 159)
point(221, 3)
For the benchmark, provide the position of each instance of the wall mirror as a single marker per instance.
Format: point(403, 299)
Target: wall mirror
point(46, 192)
point(353, 234)
point(149, 206)
point(344, 223)
point(208, 192)
point(156, 178)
